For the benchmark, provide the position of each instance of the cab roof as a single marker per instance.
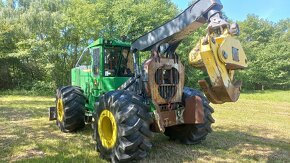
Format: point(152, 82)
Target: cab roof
point(102, 41)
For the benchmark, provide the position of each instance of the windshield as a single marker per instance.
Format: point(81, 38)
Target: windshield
point(118, 62)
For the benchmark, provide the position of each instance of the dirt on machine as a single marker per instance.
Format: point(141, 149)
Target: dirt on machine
point(126, 101)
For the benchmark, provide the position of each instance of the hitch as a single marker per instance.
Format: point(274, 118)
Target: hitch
point(52, 113)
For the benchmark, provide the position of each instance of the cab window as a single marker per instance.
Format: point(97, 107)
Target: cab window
point(118, 62)
point(86, 59)
point(96, 61)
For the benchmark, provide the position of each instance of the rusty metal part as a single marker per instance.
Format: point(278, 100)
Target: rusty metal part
point(163, 80)
point(158, 123)
point(221, 94)
point(193, 108)
point(191, 113)
point(169, 117)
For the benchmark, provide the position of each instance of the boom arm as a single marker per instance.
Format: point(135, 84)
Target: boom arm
point(178, 28)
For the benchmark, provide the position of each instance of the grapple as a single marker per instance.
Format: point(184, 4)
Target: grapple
point(219, 55)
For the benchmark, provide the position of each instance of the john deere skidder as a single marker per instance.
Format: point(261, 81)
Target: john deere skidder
point(125, 101)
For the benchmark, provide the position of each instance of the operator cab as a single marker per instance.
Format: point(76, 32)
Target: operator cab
point(103, 66)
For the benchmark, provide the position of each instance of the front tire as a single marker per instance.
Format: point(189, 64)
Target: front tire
point(192, 133)
point(70, 108)
point(121, 127)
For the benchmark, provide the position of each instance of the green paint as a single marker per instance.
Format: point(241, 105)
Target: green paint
point(98, 76)
point(152, 106)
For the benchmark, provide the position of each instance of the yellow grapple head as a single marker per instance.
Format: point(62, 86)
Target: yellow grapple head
point(220, 56)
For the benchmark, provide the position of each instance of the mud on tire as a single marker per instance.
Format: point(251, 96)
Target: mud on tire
point(192, 133)
point(132, 121)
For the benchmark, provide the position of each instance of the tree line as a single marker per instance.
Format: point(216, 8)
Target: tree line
point(41, 40)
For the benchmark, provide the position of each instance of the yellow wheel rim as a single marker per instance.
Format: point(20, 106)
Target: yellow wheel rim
point(60, 109)
point(107, 129)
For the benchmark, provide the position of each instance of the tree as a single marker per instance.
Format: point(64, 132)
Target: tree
point(266, 45)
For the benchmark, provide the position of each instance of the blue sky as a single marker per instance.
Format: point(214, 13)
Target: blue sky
point(272, 10)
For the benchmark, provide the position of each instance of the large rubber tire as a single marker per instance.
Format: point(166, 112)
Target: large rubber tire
point(71, 117)
point(192, 133)
point(131, 118)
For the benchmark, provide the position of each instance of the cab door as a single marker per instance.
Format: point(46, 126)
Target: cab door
point(96, 70)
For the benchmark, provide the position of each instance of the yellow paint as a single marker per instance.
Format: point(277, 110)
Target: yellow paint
point(60, 109)
point(226, 45)
point(210, 57)
point(215, 68)
point(107, 129)
point(194, 57)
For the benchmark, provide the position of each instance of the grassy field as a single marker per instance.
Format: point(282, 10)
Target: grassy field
point(255, 129)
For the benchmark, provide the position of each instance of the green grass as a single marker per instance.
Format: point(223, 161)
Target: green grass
point(254, 129)
point(23, 92)
point(268, 95)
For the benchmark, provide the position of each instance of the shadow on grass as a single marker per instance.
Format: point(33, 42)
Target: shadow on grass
point(221, 145)
point(42, 141)
point(35, 103)
point(80, 149)
point(16, 114)
point(64, 158)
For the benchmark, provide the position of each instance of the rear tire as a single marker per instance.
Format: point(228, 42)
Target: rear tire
point(127, 138)
point(70, 108)
point(192, 133)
